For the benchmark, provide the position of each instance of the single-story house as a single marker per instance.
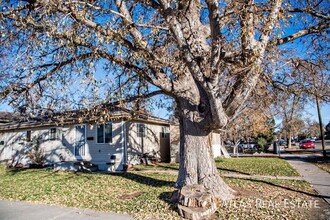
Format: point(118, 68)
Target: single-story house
point(95, 135)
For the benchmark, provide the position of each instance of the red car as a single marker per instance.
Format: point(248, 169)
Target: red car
point(307, 144)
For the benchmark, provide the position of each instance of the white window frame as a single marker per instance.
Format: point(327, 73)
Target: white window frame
point(138, 133)
point(96, 139)
point(58, 135)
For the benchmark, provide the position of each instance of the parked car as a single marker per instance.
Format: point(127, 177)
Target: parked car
point(305, 144)
point(247, 145)
point(282, 142)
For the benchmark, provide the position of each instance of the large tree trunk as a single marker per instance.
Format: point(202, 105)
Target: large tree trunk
point(197, 165)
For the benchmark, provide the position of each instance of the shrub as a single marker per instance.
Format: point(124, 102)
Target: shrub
point(36, 154)
point(262, 144)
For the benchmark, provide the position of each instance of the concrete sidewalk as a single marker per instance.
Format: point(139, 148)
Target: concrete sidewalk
point(318, 178)
point(11, 210)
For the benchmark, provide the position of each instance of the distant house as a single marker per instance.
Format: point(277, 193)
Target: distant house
point(93, 135)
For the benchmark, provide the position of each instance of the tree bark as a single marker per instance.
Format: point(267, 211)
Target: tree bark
point(289, 139)
point(197, 165)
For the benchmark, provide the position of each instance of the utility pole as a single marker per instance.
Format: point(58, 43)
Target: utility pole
point(321, 125)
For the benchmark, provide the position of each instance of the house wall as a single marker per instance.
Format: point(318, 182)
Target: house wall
point(15, 147)
point(99, 153)
point(63, 149)
point(216, 145)
point(12, 147)
point(151, 143)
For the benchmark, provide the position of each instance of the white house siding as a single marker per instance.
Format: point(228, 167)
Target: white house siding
point(100, 153)
point(216, 145)
point(12, 149)
point(151, 140)
point(16, 146)
point(63, 149)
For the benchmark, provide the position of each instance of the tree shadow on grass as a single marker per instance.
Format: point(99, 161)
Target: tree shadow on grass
point(168, 167)
point(149, 181)
point(166, 197)
point(284, 187)
point(233, 171)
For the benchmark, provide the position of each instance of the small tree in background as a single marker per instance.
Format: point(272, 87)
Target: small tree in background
point(312, 128)
point(262, 144)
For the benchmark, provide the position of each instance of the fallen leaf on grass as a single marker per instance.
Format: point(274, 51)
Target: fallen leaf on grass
point(130, 195)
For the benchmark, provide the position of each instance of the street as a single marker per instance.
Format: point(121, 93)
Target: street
point(317, 150)
point(319, 145)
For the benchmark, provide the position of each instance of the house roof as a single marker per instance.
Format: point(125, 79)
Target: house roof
point(99, 114)
point(6, 117)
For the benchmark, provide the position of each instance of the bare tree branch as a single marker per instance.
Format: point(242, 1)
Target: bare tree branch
point(13, 88)
point(311, 30)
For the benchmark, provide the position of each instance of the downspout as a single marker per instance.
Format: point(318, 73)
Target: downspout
point(122, 142)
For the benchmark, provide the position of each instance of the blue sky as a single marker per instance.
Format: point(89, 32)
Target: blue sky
point(325, 112)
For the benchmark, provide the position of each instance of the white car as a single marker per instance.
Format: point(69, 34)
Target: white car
point(247, 145)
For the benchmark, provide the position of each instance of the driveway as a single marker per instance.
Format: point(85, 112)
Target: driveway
point(11, 210)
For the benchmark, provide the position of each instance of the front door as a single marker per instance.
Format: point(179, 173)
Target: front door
point(80, 141)
point(165, 151)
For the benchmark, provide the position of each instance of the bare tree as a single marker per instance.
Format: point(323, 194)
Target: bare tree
point(289, 108)
point(206, 55)
point(313, 128)
point(316, 83)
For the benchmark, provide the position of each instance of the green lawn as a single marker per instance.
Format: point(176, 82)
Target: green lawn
point(248, 166)
point(159, 166)
point(256, 166)
point(146, 195)
point(139, 195)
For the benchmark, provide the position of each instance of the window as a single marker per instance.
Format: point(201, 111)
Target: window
point(141, 130)
point(108, 133)
point(100, 133)
point(28, 136)
point(164, 133)
point(104, 133)
point(54, 134)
